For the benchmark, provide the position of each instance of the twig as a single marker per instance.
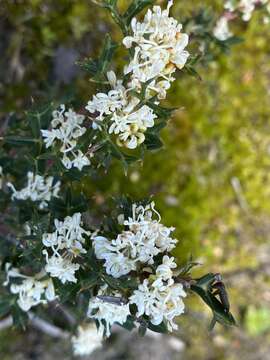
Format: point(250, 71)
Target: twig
point(47, 328)
point(6, 323)
point(38, 323)
point(70, 318)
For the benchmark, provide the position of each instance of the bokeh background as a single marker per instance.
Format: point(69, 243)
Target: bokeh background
point(211, 181)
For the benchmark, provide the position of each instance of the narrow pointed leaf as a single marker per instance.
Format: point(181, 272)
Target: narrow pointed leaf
point(136, 7)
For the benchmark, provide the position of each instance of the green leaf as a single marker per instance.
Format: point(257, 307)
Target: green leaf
point(39, 118)
point(190, 70)
point(185, 270)
point(20, 318)
point(89, 65)
point(161, 328)
point(129, 283)
point(6, 304)
point(220, 313)
point(111, 2)
point(129, 324)
point(99, 67)
point(107, 54)
point(47, 156)
point(161, 112)
point(19, 141)
point(90, 282)
point(131, 158)
point(152, 141)
point(158, 127)
point(136, 7)
point(68, 291)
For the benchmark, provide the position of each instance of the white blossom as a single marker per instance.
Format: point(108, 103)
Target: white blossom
point(145, 238)
point(159, 49)
point(164, 271)
point(61, 267)
point(66, 130)
point(159, 297)
point(88, 339)
point(66, 243)
point(106, 104)
point(127, 122)
point(108, 313)
point(31, 291)
point(245, 7)
point(221, 30)
point(38, 188)
point(68, 234)
point(159, 45)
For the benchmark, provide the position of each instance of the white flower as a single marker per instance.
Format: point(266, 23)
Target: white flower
point(144, 239)
point(61, 268)
point(161, 300)
point(68, 235)
point(221, 30)
point(66, 242)
point(159, 45)
point(106, 104)
point(80, 160)
point(30, 291)
point(107, 312)
point(164, 271)
point(66, 129)
point(118, 265)
point(127, 123)
point(246, 7)
point(38, 188)
point(131, 126)
point(88, 339)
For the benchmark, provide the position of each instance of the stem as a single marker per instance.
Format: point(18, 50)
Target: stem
point(116, 16)
point(38, 323)
point(118, 19)
point(6, 323)
point(47, 328)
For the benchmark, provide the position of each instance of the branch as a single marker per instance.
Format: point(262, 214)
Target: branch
point(6, 323)
point(68, 315)
point(47, 328)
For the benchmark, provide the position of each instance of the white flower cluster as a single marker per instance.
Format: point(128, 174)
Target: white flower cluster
point(158, 47)
point(128, 122)
point(145, 238)
point(159, 297)
point(88, 339)
point(66, 128)
point(66, 243)
point(106, 312)
point(31, 291)
point(38, 188)
point(246, 7)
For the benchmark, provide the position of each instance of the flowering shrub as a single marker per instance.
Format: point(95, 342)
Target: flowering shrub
point(122, 271)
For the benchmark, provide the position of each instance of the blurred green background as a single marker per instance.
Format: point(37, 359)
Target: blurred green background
point(211, 181)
